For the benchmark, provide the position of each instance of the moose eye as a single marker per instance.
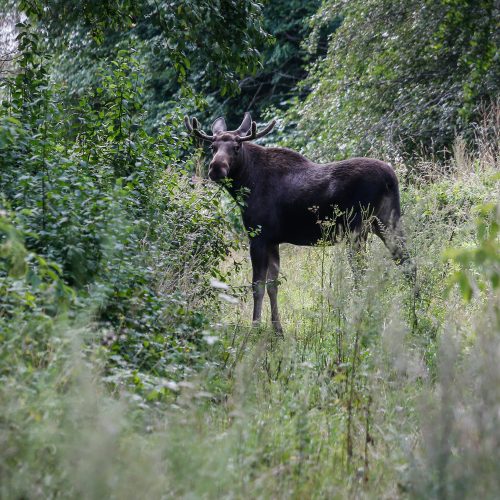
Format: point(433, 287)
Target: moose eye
point(236, 148)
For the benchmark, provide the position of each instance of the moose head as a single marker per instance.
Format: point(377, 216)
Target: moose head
point(225, 144)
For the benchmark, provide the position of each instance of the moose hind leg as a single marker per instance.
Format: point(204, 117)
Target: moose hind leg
point(272, 286)
point(394, 239)
point(260, 259)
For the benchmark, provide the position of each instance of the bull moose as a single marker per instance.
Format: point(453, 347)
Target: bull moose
point(288, 197)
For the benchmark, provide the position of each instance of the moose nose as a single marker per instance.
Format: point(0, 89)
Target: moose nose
point(218, 170)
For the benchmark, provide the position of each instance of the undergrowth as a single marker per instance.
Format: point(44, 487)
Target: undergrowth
point(358, 400)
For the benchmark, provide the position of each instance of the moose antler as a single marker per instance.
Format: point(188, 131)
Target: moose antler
point(194, 128)
point(253, 134)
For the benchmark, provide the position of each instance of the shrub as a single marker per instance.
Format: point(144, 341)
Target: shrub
point(113, 206)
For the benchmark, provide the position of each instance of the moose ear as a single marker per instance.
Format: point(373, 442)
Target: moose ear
point(219, 125)
point(245, 126)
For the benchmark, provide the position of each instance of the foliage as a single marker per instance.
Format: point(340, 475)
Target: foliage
point(223, 64)
point(93, 192)
point(276, 82)
point(188, 46)
point(407, 73)
point(33, 296)
point(485, 255)
point(125, 373)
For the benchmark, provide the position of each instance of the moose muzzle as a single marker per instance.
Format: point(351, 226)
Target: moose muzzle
point(218, 169)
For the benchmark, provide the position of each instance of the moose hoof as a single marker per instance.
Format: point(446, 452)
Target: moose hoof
point(278, 330)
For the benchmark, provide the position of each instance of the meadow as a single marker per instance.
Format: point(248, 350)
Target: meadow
point(372, 392)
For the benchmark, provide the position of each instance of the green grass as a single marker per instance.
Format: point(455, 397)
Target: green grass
point(355, 402)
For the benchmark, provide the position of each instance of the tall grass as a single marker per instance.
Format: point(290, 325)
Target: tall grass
point(357, 400)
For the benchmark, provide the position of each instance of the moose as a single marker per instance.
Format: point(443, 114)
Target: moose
point(288, 198)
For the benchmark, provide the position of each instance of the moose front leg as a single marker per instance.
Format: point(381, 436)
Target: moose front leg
point(260, 260)
point(272, 286)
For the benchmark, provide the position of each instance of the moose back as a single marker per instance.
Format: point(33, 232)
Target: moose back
point(290, 199)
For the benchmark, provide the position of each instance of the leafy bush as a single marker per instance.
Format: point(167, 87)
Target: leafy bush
point(410, 74)
point(484, 256)
point(114, 206)
point(187, 47)
point(33, 295)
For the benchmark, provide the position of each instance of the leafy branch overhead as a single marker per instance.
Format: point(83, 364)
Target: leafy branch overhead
point(202, 43)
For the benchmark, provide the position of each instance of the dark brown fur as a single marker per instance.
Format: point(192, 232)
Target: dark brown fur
point(290, 199)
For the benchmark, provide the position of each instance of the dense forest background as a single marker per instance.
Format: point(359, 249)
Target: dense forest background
point(128, 366)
